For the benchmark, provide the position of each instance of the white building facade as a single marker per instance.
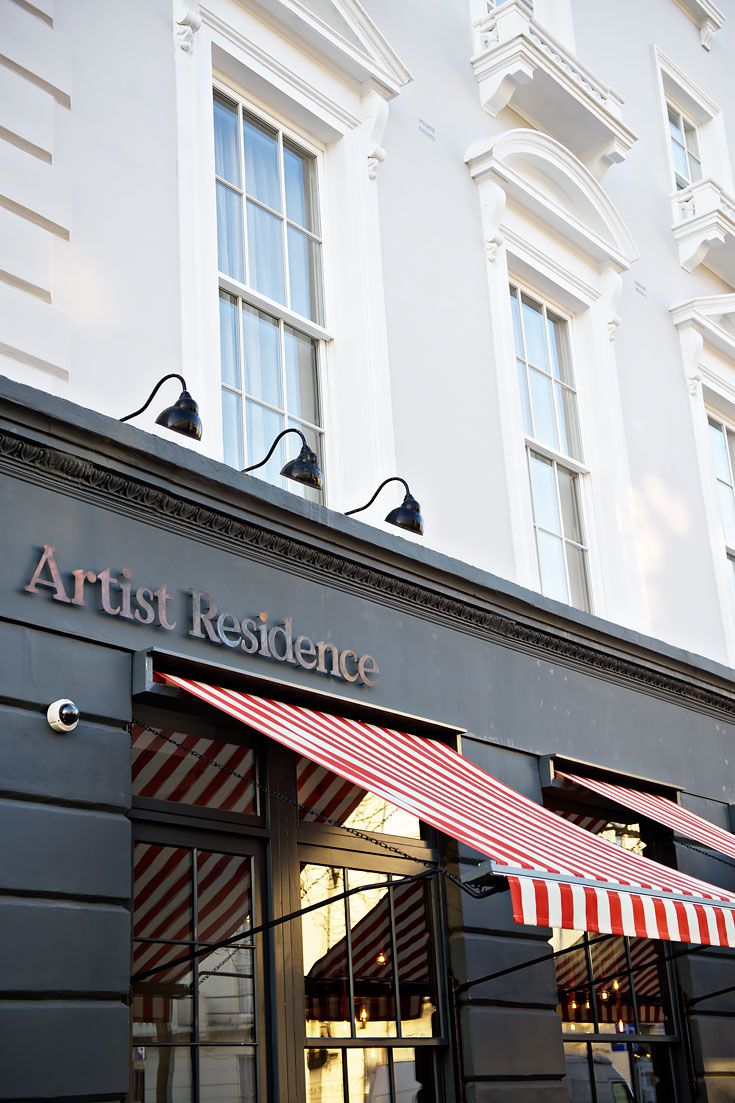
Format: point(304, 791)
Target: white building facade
point(407, 181)
point(487, 246)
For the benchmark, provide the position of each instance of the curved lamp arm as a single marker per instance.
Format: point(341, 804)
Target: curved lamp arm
point(392, 479)
point(154, 392)
point(271, 450)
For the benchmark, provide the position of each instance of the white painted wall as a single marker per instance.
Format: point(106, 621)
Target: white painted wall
point(107, 259)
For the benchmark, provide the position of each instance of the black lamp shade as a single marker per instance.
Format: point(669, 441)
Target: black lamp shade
point(304, 469)
point(407, 516)
point(182, 417)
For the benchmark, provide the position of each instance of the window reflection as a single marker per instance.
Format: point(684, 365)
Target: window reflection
point(325, 796)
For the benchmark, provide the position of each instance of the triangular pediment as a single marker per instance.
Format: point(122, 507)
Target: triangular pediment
point(344, 33)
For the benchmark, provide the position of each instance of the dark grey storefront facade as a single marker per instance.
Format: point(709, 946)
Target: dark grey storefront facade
point(522, 677)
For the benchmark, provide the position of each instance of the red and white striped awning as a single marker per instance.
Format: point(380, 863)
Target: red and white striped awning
point(686, 824)
point(559, 874)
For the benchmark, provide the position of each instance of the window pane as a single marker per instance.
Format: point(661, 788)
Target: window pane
point(232, 429)
point(561, 366)
point(551, 566)
point(262, 356)
point(261, 163)
point(571, 520)
point(517, 333)
point(727, 512)
point(415, 953)
point(578, 583)
point(229, 232)
point(542, 402)
point(323, 931)
point(675, 125)
point(324, 1076)
point(610, 1067)
point(162, 1003)
point(695, 168)
point(413, 1071)
point(226, 153)
point(228, 340)
point(163, 771)
point(368, 1076)
point(730, 438)
point(533, 326)
point(227, 1075)
point(263, 426)
point(323, 794)
point(301, 385)
point(224, 902)
point(680, 160)
point(525, 400)
point(719, 452)
point(568, 422)
point(265, 253)
point(304, 274)
point(299, 173)
point(162, 1075)
point(690, 134)
point(372, 956)
point(543, 493)
point(226, 1006)
point(162, 897)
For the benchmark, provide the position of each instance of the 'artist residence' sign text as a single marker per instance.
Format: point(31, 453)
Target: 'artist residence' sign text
point(115, 596)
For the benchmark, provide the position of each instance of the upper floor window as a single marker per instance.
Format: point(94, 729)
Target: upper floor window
point(684, 148)
point(722, 448)
point(549, 402)
point(270, 272)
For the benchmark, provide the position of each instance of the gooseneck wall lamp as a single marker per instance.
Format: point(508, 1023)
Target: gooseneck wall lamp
point(405, 516)
point(304, 469)
point(182, 417)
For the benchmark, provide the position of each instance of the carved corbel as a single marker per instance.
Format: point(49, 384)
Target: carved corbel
point(692, 343)
point(693, 250)
point(612, 289)
point(188, 22)
point(707, 33)
point(375, 115)
point(492, 204)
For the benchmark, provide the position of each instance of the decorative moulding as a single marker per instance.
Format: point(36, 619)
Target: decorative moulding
point(518, 161)
point(518, 63)
point(706, 15)
point(188, 22)
point(707, 321)
point(351, 41)
point(704, 228)
point(127, 492)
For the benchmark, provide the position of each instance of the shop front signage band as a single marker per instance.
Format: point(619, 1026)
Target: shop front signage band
point(117, 596)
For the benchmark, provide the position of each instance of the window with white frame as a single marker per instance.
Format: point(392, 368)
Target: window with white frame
point(722, 449)
point(270, 277)
point(551, 425)
point(684, 147)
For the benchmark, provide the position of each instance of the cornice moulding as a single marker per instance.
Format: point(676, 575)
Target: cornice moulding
point(137, 496)
point(376, 61)
point(707, 17)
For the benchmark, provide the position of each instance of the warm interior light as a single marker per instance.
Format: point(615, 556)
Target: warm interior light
point(587, 1004)
point(616, 985)
point(604, 994)
point(573, 1005)
point(381, 959)
point(363, 1015)
point(621, 1026)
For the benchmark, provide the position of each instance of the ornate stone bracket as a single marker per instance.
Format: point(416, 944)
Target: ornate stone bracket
point(188, 22)
point(375, 115)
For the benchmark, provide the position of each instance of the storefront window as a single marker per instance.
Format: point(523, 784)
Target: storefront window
point(204, 845)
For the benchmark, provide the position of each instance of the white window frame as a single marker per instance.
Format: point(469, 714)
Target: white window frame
point(692, 102)
point(576, 466)
point(281, 313)
point(341, 107)
point(727, 428)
